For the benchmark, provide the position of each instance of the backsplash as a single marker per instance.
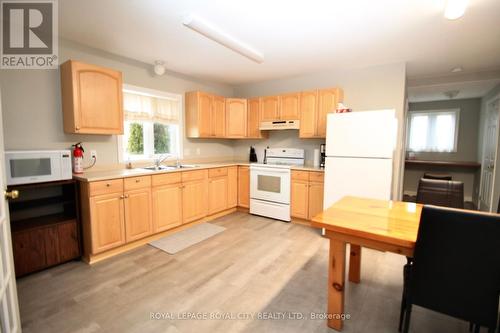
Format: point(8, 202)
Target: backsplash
point(277, 139)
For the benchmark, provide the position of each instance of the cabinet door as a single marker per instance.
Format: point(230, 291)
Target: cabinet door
point(138, 221)
point(254, 118)
point(69, 246)
point(289, 106)
point(219, 116)
point(217, 195)
point(299, 199)
point(194, 200)
point(92, 99)
point(315, 199)
point(167, 207)
point(232, 187)
point(243, 186)
point(107, 222)
point(308, 114)
point(327, 103)
point(204, 105)
point(28, 250)
point(236, 118)
point(270, 108)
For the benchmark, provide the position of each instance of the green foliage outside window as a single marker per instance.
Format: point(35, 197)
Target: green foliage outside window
point(161, 138)
point(135, 143)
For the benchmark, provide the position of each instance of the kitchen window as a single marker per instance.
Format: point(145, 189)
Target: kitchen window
point(433, 131)
point(152, 125)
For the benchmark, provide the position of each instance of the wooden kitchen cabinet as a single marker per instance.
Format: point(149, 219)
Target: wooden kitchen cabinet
point(236, 118)
point(92, 99)
point(327, 103)
point(308, 114)
point(270, 108)
point(232, 187)
point(205, 115)
point(289, 106)
point(314, 107)
point(107, 217)
point(254, 115)
point(138, 217)
point(244, 186)
point(194, 195)
point(167, 207)
point(217, 194)
point(306, 194)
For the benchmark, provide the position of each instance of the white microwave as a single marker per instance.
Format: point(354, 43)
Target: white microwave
point(37, 166)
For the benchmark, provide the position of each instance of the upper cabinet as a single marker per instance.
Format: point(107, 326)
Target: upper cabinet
point(205, 115)
point(254, 115)
point(92, 99)
point(209, 116)
point(314, 107)
point(270, 108)
point(236, 118)
point(289, 106)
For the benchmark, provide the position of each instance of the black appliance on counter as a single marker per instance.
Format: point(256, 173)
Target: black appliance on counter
point(253, 155)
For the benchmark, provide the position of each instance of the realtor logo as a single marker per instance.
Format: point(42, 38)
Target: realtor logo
point(29, 34)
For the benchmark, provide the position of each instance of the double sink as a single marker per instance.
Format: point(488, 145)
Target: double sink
point(169, 167)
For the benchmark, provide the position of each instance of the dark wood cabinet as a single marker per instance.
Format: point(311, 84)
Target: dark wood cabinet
point(44, 224)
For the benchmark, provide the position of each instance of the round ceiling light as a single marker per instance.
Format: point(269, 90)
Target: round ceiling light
point(159, 67)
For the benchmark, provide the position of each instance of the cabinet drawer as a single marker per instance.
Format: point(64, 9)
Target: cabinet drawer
point(317, 177)
point(217, 172)
point(166, 179)
point(194, 175)
point(105, 187)
point(300, 175)
point(137, 182)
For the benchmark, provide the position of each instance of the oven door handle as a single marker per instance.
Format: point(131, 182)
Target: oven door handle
point(273, 170)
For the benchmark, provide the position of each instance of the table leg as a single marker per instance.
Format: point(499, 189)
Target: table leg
point(336, 281)
point(355, 264)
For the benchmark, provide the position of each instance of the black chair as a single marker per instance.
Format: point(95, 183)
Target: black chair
point(437, 176)
point(455, 268)
point(440, 193)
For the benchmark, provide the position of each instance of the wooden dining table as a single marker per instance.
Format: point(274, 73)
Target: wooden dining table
point(382, 225)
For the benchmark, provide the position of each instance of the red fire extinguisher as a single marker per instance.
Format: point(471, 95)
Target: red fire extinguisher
point(78, 158)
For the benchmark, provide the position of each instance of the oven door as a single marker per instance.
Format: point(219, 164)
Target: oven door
point(32, 167)
point(270, 184)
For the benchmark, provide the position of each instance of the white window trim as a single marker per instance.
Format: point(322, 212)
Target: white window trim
point(457, 129)
point(154, 93)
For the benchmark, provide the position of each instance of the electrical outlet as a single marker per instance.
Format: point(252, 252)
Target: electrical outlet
point(93, 154)
point(198, 151)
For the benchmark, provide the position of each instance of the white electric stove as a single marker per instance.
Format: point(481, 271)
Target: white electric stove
point(270, 183)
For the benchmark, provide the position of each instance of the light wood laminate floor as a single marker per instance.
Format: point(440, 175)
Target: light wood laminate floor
point(256, 266)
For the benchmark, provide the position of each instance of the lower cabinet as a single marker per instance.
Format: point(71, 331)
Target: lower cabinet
point(194, 200)
point(108, 221)
point(217, 194)
point(306, 194)
point(167, 207)
point(138, 221)
point(41, 247)
point(244, 186)
point(232, 187)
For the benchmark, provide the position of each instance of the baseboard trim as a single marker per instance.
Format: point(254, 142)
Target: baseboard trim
point(94, 258)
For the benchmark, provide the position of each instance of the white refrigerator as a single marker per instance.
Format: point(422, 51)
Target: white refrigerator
point(359, 155)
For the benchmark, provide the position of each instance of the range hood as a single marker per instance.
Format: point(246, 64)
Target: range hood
point(279, 125)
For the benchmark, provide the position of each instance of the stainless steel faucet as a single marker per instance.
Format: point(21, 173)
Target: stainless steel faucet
point(160, 160)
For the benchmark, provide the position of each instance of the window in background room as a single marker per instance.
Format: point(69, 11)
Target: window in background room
point(433, 131)
point(152, 124)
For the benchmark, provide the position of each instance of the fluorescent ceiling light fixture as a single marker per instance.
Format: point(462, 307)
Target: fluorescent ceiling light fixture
point(215, 34)
point(455, 9)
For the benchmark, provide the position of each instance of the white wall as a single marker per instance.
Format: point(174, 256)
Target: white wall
point(380, 87)
point(32, 105)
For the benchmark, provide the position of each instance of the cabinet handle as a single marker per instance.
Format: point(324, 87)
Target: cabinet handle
point(137, 180)
point(122, 197)
point(126, 196)
point(77, 128)
point(108, 185)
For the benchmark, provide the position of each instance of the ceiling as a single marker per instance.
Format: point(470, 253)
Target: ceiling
point(295, 37)
point(436, 92)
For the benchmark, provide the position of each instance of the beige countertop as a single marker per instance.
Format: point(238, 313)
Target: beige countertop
point(92, 176)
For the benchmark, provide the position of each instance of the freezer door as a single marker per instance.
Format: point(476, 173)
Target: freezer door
point(361, 134)
point(361, 177)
